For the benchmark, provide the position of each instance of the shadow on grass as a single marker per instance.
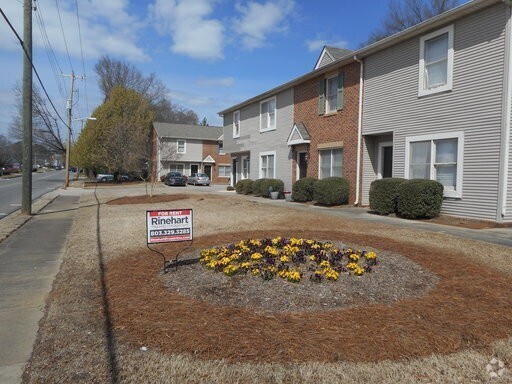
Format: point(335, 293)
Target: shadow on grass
point(109, 334)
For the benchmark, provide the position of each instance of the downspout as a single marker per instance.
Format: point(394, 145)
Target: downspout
point(359, 129)
point(506, 117)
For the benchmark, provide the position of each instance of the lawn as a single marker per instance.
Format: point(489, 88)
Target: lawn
point(435, 309)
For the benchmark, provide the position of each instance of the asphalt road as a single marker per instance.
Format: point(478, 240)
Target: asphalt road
point(10, 189)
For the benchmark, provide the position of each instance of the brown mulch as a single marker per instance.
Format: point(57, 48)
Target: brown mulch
point(470, 307)
point(143, 199)
point(402, 278)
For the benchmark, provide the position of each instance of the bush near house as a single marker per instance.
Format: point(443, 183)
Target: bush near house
point(302, 189)
point(257, 187)
point(272, 184)
point(419, 199)
point(383, 195)
point(331, 191)
point(244, 186)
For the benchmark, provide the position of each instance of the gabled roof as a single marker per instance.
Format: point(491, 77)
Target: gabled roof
point(298, 135)
point(423, 27)
point(209, 159)
point(330, 54)
point(187, 131)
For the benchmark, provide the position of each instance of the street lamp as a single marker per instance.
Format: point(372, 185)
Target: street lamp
point(66, 184)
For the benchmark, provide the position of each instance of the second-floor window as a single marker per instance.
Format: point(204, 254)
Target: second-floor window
point(181, 146)
point(221, 148)
point(331, 94)
point(268, 115)
point(436, 62)
point(236, 124)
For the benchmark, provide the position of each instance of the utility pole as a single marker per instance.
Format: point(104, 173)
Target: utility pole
point(69, 107)
point(26, 193)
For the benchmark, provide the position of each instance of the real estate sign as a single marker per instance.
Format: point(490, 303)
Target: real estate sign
point(166, 226)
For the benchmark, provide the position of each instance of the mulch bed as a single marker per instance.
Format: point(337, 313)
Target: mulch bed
point(402, 278)
point(470, 307)
point(143, 199)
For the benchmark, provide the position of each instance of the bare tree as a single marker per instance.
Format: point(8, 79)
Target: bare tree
point(5, 153)
point(46, 130)
point(406, 13)
point(114, 73)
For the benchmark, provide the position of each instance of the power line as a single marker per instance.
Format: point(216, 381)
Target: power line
point(82, 54)
point(63, 34)
point(33, 67)
point(52, 58)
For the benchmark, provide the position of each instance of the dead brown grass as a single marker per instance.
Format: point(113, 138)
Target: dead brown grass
point(459, 326)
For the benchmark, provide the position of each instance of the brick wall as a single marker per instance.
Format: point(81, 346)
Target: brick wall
point(340, 126)
point(212, 148)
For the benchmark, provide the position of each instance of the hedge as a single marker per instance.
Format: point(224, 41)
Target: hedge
point(257, 187)
point(244, 186)
point(383, 195)
point(419, 199)
point(302, 189)
point(331, 191)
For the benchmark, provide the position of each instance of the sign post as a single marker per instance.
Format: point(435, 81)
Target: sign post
point(167, 226)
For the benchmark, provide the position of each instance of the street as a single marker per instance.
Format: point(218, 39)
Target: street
point(10, 189)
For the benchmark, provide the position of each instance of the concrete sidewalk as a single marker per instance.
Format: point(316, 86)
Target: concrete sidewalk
point(29, 260)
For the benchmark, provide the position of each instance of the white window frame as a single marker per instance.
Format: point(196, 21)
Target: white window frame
point(268, 128)
point(178, 146)
point(328, 108)
point(320, 176)
point(220, 148)
point(182, 165)
point(226, 174)
point(242, 175)
point(457, 193)
point(261, 163)
point(236, 124)
point(422, 90)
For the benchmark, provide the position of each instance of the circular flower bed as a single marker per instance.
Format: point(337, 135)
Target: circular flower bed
point(291, 259)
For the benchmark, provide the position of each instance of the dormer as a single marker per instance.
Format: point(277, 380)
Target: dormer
point(330, 54)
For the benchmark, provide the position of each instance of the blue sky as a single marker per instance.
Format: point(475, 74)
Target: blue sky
point(211, 54)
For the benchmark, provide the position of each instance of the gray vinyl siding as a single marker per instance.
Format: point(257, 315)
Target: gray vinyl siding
point(473, 106)
point(253, 141)
point(508, 214)
point(325, 60)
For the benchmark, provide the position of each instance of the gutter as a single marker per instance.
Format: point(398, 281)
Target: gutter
point(359, 128)
point(506, 117)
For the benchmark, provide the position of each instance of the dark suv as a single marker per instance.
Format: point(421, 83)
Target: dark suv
point(175, 178)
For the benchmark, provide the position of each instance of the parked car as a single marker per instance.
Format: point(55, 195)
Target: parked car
point(175, 178)
point(199, 179)
point(104, 177)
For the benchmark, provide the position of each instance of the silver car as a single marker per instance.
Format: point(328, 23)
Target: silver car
point(199, 179)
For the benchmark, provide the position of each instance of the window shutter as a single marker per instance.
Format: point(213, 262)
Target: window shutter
point(341, 90)
point(321, 97)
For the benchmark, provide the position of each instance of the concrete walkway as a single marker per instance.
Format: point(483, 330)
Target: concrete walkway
point(29, 260)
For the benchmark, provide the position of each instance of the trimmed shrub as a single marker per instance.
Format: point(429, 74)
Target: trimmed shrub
point(276, 185)
point(256, 187)
point(230, 188)
point(419, 199)
point(244, 186)
point(331, 191)
point(302, 189)
point(383, 195)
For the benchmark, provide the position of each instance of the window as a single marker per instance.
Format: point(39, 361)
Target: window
point(267, 165)
point(221, 148)
point(331, 163)
point(245, 167)
point(331, 94)
point(181, 146)
point(236, 124)
point(436, 62)
point(177, 168)
point(268, 115)
point(224, 170)
point(437, 157)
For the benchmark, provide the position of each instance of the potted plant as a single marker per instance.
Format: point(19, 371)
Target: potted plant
point(273, 194)
point(287, 195)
